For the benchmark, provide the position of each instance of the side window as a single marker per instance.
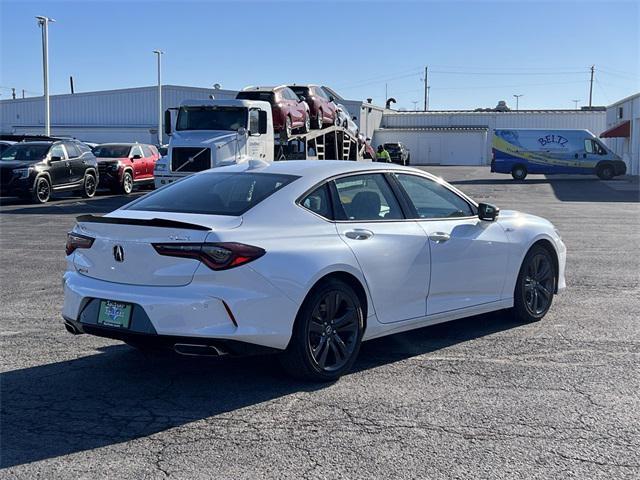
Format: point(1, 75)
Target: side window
point(319, 202)
point(58, 151)
point(72, 150)
point(83, 148)
point(254, 123)
point(367, 197)
point(432, 200)
point(588, 146)
point(147, 151)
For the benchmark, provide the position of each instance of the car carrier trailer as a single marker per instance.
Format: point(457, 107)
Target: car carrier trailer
point(213, 133)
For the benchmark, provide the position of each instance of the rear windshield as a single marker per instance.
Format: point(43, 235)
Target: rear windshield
point(300, 90)
point(253, 95)
point(214, 193)
point(392, 146)
point(112, 151)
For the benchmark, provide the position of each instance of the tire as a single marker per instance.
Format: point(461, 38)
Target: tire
point(408, 160)
point(307, 124)
point(535, 286)
point(126, 186)
point(41, 190)
point(319, 120)
point(605, 171)
point(288, 128)
point(519, 172)
point(326, 335)
point(90, 186)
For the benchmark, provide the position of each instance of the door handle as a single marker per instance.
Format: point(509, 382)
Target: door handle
point(359, 234)
point(439, 237)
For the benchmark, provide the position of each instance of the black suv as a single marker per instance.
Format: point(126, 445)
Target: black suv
point(398, 153)
point(36, 170)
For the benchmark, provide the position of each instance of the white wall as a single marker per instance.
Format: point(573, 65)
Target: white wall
point(627, 148)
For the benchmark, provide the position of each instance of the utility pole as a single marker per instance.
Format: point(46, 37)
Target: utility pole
point(518, 100)
point(44, 24)
point(159, 53)
point(23, 93)
point(386, 93)
point(576, 101)
point(593, 68)
point(426, 88)
point(71, 85)
point(13, 93)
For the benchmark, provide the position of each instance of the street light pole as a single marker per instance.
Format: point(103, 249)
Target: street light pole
point(576, 101)
point(518, 100)
point(44, 24)
point(159, 53)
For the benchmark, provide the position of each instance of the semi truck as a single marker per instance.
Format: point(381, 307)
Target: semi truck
point(213, 133)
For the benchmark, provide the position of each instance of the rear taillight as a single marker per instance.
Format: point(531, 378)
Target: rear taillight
point(216, 256)
point(75, 240)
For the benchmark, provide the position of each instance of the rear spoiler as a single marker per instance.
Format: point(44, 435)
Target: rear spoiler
point(151, 222)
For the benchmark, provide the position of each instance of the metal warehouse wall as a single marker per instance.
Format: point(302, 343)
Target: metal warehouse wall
point(93, 115)
point(627, 148)
point(419, 130)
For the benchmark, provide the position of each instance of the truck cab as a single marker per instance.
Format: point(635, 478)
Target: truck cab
point(214, 133)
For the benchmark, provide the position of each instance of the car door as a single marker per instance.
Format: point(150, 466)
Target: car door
point(137, 160)
point(393, 252)
point(148, 160)
point(468, 256)
point(59, 166)
point(76, 164)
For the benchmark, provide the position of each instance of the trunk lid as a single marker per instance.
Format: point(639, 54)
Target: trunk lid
point(123, 251)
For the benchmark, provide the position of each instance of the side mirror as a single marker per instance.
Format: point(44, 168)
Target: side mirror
point(242, 132)
point(167, 122)
point(488, 212)
point(262, 122)
point(331, 99)
point(137, 156)
point(55, 159)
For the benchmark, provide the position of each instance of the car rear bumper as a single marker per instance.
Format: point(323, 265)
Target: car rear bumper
point(246, 308)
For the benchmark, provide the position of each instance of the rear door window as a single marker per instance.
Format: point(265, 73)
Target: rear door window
point(214, 193)
point(147, 151)
point(319, 202)
point(367, 198)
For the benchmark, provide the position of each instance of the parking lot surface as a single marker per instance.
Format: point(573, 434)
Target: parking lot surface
point(483, 397)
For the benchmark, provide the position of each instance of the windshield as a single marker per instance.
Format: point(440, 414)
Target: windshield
point(214, 193)
point(211, 118)
point(252, 95)
point(300, 91)
point(27, 152)
point(392, 147)
point(112, 151)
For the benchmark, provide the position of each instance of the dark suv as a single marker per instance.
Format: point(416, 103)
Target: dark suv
point(36, 170)
point(398, 153)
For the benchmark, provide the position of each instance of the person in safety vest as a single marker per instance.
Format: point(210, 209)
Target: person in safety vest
point(382, 155)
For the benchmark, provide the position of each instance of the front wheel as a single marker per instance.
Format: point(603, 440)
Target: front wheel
point(319, 120)
point(326, 335)
point(535, 286)
point(605, 171)
point(519, 172)
point(126, 186)
point(90, 186)
point(307, 123)
point(41, 190)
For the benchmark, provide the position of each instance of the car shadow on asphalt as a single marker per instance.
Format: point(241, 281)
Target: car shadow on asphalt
point(104, 203)
point(577, 189)
point(120, 394)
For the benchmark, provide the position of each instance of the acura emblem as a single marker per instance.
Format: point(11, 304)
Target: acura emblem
point(118, 253)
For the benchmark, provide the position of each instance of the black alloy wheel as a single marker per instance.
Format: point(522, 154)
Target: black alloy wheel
point(90, 186)
point(327, 333)
point(42, 190)
point(536, 285)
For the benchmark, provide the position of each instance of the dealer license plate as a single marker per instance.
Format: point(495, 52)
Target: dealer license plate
point(114, 314)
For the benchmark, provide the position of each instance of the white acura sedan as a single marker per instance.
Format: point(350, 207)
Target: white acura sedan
point(305, 258)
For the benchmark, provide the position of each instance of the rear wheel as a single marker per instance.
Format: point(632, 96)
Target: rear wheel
point(41, 190)
point(319, 120)
point(519, 172)
point(535, 286)
point(307, 123)
point(288, 127)
point(605, 171)
point(126, 186)
point(326, 335)
point(90, 186)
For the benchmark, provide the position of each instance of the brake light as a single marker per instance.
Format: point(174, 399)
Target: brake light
point(75, 241)
point(216, 256)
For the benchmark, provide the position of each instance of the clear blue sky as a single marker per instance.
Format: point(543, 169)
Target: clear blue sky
point(478, 52)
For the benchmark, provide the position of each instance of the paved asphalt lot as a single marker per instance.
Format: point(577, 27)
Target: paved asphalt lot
point(483, 397)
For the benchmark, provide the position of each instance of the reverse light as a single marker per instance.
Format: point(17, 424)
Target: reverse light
point(216, 256)
point(75, 241)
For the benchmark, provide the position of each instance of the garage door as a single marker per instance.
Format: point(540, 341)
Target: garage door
point(463, 148)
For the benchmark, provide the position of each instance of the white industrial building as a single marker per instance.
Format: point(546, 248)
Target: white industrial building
point(464, 137)
point(433, 137)
point(623, 131)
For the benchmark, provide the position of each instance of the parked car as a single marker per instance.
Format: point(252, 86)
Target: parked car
point(125, 165)
point(323, 109)
point(398, 152)
point(289, 112)
point(303, 258)
point(346, 120)
point(37, 170)
point(4, 144)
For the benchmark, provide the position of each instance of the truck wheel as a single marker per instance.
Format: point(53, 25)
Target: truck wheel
point(519, 172)
point(41, 190)
point(126, 186)
point(319, 120)
point(605, 171)
point(90, 186)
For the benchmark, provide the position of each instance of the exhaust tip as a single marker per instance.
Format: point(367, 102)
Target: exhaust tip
point(190, 349)
point(71, 328)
